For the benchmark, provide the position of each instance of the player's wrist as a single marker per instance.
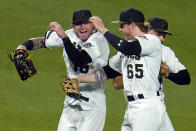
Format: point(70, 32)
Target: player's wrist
point(103, 30)
point(63, 35)
point(27, 45)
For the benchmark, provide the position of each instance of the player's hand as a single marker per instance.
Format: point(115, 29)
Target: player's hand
point(118, 82)
point(21, 47)
point(98, 23)
point(54, 26)
point(77, 81)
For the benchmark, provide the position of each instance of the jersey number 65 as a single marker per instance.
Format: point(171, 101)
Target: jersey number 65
point(137, 71)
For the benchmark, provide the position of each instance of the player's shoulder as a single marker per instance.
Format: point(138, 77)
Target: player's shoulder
point(72, 36)
point(51, 34)
point(152, 37)
point(147, 37)
point(166, 49)
point(150, 40)
point(97, 37)
point(70, 32)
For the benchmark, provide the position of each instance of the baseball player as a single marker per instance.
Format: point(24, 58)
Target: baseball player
point(85, 50)
point(177, 71)
point(139, 60)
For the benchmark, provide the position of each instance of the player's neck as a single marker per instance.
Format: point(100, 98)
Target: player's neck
point(139, 33)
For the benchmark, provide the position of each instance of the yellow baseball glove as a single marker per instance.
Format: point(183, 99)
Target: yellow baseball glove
point(164, 69)
point(71, 88)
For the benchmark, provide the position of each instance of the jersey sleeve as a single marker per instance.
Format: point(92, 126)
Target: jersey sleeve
point(97, 48)
point(115, 62)
point(168, 56)
point(150, 44)
point(52, 40)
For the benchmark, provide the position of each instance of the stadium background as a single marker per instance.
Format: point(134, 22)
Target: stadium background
point(36, 104)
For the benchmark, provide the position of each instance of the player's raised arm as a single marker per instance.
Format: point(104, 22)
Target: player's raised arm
point(131, 47)
point(54, 26)
point(78, 57)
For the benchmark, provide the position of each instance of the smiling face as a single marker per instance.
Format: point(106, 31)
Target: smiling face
point(127, 30)
point(83, 29)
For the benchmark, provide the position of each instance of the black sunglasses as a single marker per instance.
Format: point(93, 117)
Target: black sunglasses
point(81, 22)
point(122, 25)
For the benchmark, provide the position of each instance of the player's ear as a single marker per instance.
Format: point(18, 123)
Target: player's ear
point(132, 25)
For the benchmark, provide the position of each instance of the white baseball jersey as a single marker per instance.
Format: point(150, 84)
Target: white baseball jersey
point(97, 48)
point(140, 76)
point(168, 56)
point(174, 64)
point(82, 115)
point(139, 73)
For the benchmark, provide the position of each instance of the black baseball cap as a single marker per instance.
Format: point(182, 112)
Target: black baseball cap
point(81, 15)
point(159, 24)
point(130, 15)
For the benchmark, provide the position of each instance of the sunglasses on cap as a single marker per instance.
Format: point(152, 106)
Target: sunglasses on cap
point(81, 22)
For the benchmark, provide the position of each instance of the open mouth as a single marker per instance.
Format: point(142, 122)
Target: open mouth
point(83, 33)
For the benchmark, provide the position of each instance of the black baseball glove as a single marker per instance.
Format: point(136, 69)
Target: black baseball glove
point(23, 63)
